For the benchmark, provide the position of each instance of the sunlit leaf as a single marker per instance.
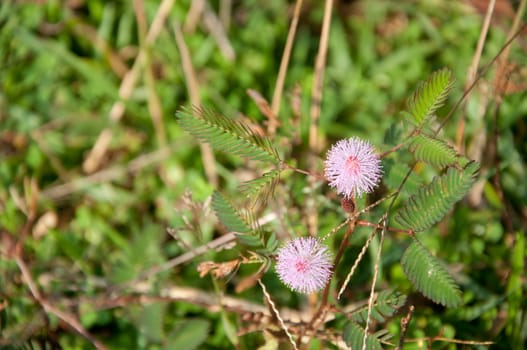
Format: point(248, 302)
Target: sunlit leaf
point(429, 275)
point(226, 135)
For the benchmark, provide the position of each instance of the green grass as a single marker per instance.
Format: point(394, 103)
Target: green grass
point(85, 255)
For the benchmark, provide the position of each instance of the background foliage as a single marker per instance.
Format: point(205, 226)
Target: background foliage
point(86, 257)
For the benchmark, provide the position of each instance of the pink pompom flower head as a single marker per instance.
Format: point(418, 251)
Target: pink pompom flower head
point(352, 167)
point(304, 265)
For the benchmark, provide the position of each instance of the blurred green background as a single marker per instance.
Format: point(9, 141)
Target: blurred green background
point(94, 167)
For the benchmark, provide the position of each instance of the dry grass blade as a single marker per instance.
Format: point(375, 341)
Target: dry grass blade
point(279, 86)
point(374, 281)
point(59, 192)
point(154, 103)
point(277, 314)
point(193, 15)
point(356, 263)
point(316, 100)
point(472, 71)
point(216, 29)
point(191, 81)
point(96, 154)
point(67, 318)
point(318, 80)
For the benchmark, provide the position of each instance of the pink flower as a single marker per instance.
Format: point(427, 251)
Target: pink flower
point(304, 265)
point(352, 167)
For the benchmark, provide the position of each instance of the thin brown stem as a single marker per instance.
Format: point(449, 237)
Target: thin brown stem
point(344, 242)
point(67, 318)
point(374, 281)
point(405, 321)
point(448, 340)
point(277, 314)
point(391, 150)
point(279, 86)
point(305, 172)
point(391, 229)
point(356, 263)
point(385, 223)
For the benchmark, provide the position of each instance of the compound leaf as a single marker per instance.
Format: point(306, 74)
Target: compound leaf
point(429, 96)
point(433, 201)
point(227, 135)
point(432, 151)
point(429, 275)
point(262, 187)
point(353, 336)
point(228, 216)
point(385, 305)
point(250, 241)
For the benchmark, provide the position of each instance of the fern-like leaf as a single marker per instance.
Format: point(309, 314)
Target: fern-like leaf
point(433, 201)
point(386, 303)
point(247, 230)
point(228, 216)
point(429, 96)
point(226, 134)
point(430, 276)
point(250, 241)
point(353, 336)
point(432, 151)
point(261, 188)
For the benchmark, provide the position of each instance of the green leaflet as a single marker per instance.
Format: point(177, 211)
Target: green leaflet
point(261, 246)
point(433, 201)
point(247, 231)
point(262, 187)
point(250, 241)
point(432, 151)
point(270, 245)
point(227, 135)
point(429, 275)
point(385, 305)
point(259, 243)
point(429, 96)
point(353, 336)
point(228, 216)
